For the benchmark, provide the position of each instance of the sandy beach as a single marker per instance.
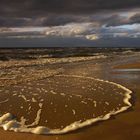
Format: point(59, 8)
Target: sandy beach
point(123, 126)
point(129, 66)
point(70, 70)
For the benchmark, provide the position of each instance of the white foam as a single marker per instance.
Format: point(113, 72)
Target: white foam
point(107, 103)
point(8, 123)
point(34, 100)
point(53, 92)
point(73, 111)
point(83, 102)
point(95, 103)
point(5, 117)
point(4, 101)
point(24, 97)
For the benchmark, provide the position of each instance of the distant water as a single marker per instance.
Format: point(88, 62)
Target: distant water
point(63, 52)
point(58, 41)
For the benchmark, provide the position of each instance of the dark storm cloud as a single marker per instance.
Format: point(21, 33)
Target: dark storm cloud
point(117, 20)
point(10, 22)
point(55, 20)
point(50, 20)
point(18, 13)
point(135, 18)
point(37, 7)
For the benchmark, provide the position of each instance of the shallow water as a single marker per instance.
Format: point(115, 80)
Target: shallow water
point(43, 96)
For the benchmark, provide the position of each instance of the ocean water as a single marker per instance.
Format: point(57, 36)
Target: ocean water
point(38, 94)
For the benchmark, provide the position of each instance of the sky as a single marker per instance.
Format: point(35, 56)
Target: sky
point(99, 23)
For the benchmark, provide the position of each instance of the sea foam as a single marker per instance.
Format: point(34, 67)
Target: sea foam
point(8, 121)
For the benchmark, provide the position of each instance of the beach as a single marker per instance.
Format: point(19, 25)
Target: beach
point(66, 79)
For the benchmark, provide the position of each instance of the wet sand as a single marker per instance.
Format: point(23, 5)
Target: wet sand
point(120, 127)
point(72, 98)
point(129, 66)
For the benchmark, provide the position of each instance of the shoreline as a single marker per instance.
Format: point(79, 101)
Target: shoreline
point(125, 123)
point(16, 126)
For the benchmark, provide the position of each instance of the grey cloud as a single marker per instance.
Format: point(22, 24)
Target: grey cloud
point(135, 18)
point(29, 8)
point(17, 13)
point(48, 20)
point(117, 20)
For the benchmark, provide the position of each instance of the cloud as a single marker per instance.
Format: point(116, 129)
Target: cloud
point(14, 22)
point(92, 37)
point(98, 19)
point(135, 18)
point(73, 29)
point(48, 20)
point(29, 8)
point(51, 13)
point(118, 20)
point(4, 30)
point(86, 20)
point(72, 34)
point(88, 31)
